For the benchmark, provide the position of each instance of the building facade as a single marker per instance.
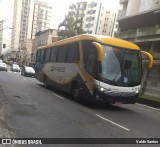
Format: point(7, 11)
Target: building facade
point(43, 38)
point(41, 17)
point(139, 22)
point(107, 22)
point(97, 17)
point(22, 25)
point(29, 17)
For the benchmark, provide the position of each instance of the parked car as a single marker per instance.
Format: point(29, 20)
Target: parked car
point(28, 71)
point(3, 66)
point(15, 67)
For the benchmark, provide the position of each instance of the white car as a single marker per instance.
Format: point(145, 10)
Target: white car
point(3, 66)
point(15, 68)
point(28, 71)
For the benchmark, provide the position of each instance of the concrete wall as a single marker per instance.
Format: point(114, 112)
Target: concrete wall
point(146, 5)
point(151, 80)
point(133, 7)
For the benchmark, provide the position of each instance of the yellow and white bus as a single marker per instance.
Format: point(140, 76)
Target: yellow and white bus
point(93, 66)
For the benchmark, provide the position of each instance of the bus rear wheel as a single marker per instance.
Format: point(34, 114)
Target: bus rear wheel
point(75, 92)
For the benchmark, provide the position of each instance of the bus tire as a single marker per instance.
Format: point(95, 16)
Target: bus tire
point(45, 81)
point(75, 91)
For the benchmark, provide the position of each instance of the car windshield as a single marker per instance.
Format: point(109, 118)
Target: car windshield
point(29, 68)
point(120, 66)
point(15, 65)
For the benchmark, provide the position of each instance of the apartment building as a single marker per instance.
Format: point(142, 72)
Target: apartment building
point(139, 22)
point(41, 17)
point(97, 17)
point(22, 25)
point(107, 22)
point(91, 17)
point(29, 17)
point(77, 10)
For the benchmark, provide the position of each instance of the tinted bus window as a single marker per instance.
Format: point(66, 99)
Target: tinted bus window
point(42, 56)
point(62, 53)
point(47, 55)
point(73, 54)
point(38, 56)
point(53, 54)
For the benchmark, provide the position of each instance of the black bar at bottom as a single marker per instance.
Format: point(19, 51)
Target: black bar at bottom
point(80, 141)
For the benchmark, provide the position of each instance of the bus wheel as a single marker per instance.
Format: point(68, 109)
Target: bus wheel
point(75, 92)
point(45, 82)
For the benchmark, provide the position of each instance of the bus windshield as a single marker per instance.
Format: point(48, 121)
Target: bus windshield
point(121, 66)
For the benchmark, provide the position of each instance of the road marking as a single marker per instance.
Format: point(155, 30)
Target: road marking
point(57, 96)
point(148, 107)
point(145, 109)
point(113, 122)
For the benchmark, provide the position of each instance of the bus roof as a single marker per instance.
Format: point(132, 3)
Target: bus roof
point(98, 38)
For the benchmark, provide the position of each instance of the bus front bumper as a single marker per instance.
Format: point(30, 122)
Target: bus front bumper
point(124, 98)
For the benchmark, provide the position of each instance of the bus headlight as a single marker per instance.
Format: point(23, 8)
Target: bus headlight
point(137, 92)
point(102, 89)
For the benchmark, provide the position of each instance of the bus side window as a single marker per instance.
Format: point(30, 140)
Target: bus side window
point(38, 56)
point(42, 56)
point(62, 53)
point(47, 55)
point(53, 54)
point(73, 53)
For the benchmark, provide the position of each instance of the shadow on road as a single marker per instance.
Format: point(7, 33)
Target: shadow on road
point(90, 104)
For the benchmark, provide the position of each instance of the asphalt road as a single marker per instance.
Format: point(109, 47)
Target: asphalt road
point(30, 110)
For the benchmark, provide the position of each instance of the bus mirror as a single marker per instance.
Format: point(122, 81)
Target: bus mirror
point(150, 57)
point(99, 50)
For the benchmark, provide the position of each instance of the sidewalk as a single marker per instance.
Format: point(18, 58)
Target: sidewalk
point(4, 130)
point(149, 103)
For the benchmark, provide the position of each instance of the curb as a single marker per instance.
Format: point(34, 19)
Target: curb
point(149, 102)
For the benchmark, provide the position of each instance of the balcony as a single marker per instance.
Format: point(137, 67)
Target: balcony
point(149, 18)
point(153, 31)
point(148, 31)
point(127, 34)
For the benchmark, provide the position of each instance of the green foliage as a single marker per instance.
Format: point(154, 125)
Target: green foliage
point(150, 98)
point(72, 27)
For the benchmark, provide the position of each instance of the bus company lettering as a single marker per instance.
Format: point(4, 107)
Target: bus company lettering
point(59, 69)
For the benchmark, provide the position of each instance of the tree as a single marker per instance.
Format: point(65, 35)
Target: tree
point(70, 27)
